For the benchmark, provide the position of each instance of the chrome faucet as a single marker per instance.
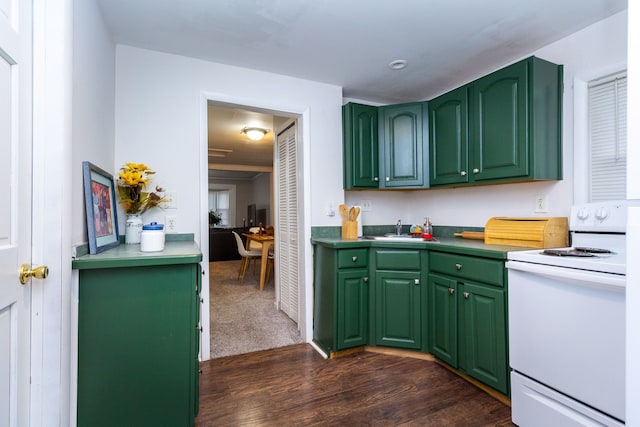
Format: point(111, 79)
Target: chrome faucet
point(398, 228)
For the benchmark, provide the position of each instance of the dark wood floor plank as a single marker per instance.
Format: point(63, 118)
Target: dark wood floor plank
point(294, 386)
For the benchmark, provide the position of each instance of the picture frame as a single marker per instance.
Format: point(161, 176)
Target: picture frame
point(100, 203)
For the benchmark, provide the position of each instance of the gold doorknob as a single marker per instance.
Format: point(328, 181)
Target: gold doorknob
point(26, 272)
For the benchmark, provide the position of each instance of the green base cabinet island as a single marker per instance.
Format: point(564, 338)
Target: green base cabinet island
point(341, 298)
point(468, 316)
point(504, 127)
point(400, 298)
point(138, 336)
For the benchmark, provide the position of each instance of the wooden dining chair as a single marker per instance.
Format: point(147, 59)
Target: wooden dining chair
point(247, 255)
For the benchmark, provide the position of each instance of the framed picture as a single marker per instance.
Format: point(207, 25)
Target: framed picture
point(100, 202)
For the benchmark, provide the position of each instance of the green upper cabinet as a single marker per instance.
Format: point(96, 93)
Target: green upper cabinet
point(360, 146)
point(403, 158)
point(448, 138)
point(514, 127)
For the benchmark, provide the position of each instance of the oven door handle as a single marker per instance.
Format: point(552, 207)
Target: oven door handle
point(591, 279)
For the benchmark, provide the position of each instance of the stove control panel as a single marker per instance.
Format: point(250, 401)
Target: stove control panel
point(606, 216)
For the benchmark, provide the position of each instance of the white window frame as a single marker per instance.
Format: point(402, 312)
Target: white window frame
point(232, 200)
point(581, 151)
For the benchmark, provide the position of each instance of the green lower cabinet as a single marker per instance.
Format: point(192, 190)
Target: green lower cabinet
point(398, 309)
point(341, 298)
point(444, 319)
point(468, 329)
point(484, 336)
point(353, 313)
point(138, 339)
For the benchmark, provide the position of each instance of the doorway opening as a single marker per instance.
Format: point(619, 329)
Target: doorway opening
point(244, 187)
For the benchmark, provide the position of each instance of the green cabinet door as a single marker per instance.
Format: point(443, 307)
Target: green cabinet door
point(360, 146)
point(500, 144)
point(483, 317)
point(353, 313)
point(443, 323)
point(403, 157)
point(448, 138)
point(398, 309)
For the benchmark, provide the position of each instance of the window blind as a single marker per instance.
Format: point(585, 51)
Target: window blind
point(608, 138)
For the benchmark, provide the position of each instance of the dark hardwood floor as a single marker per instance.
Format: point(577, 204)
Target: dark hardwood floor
point(295, 386)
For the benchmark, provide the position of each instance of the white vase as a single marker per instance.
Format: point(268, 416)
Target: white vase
point(133, 229)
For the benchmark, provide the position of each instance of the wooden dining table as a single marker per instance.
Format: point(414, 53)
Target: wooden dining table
point(266, 241)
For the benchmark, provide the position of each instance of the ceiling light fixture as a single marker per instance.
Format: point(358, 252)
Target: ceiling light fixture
point(254, 134)
point(398, 64)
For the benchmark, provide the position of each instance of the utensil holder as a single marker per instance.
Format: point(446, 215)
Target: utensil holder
point(349, 230)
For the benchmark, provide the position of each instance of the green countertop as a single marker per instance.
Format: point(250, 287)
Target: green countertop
point(444, 244)
point(123, 255)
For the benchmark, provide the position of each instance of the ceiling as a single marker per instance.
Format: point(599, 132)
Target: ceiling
point(232, 155)
point(349, 43)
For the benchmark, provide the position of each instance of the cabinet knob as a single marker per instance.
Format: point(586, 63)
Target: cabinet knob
point(463, 173)
point(416, 281)
point(476, 170)
point(451, 291)
point(354, 258)
point(465, 294)
point(376, 179)
point(365, 279)
point(458, 267)
point(387, 179)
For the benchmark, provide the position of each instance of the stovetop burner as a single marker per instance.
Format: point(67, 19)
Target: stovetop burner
point(593, 250)
point(576, 252)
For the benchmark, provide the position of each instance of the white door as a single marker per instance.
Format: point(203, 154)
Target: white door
point(287, 225)
point(15, 210)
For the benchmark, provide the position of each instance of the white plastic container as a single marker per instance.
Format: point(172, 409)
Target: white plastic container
point(152, 237)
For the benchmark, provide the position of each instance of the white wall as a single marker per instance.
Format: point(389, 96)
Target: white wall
point(161, 121)
point(595, 50)
point(262, 194)
point(158, 110)
point(93, 129)
point(633, 228)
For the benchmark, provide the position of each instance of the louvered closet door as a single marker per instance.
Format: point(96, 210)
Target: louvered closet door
point(287, 225)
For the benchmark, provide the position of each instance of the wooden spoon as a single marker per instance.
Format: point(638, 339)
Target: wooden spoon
point(344, 212)
point(353, 213)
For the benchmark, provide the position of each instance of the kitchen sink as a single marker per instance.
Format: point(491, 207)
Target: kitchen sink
point(404, 238)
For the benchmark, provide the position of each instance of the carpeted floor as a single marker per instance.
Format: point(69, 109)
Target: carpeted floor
point(243, 319)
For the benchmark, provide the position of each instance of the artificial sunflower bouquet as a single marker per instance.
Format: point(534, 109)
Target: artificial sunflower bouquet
point(132, 181)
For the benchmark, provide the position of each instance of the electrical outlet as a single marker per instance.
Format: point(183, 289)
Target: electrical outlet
point(541, 204)
point(172, 200)
point(366, 205)
point(170, 224)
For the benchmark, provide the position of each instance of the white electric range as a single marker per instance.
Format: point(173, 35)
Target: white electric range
point(567, 324)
